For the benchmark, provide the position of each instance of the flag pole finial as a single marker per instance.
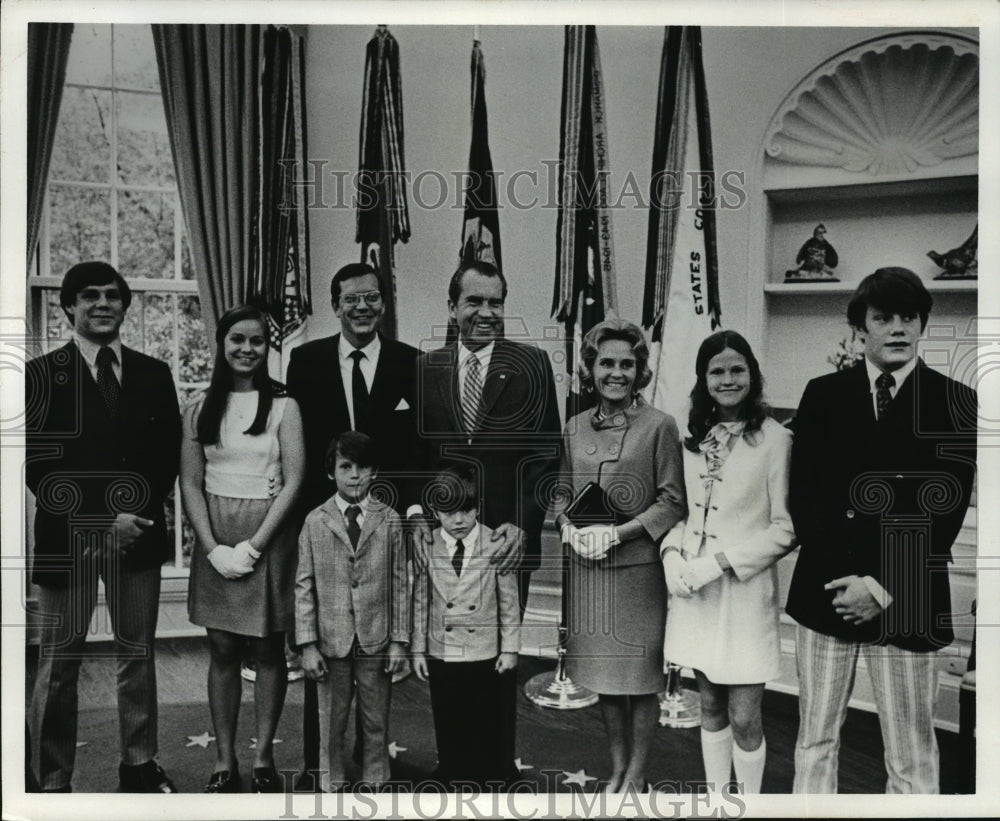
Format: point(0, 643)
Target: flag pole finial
point(475, 34)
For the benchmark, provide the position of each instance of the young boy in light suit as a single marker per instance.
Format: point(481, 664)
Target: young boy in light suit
point(352, 609)
point(466, 635)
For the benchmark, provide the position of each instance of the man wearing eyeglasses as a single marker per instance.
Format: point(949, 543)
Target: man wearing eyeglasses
point(354, 380)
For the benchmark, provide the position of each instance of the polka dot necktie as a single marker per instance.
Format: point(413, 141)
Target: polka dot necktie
point(883, 398)
point(107, 384)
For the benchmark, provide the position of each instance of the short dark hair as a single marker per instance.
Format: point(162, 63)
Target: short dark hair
point(614, 328)
point(83, 275)
point(351, 271)
point(354, 445)
point(487, 269)
point(892, 290)
point(455, 488)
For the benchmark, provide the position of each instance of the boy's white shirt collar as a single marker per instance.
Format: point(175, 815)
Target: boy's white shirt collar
point(900, 375)
point(469, 543)
point(343, 504)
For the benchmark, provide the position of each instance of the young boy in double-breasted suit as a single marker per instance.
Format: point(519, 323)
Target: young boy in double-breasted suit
point(352, 609)
point(466, 636)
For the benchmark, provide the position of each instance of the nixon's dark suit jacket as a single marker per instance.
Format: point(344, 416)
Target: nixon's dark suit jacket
point(517, 440)
point(314, 382)
point(84, 469)
point(881, 498)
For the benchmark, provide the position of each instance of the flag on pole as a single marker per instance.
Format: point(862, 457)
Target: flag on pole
point(383, 216)
point(279, 279)
point(481, 225)
point(681, 301)
point(585, 290)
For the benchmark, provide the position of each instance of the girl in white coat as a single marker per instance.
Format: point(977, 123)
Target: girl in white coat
point(719, 563)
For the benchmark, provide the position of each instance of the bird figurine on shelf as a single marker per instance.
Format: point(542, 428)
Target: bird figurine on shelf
point(816, 260)
point(961, 262)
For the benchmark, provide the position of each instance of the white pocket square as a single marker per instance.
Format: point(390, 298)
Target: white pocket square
point(403, 405)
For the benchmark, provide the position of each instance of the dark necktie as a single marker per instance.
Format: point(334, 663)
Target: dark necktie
point(456, 560)
point(353, 528)
point(107, 384)
point(359, 390)
point(882, 396)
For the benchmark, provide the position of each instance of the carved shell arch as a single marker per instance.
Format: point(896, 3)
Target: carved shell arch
point(886, 107)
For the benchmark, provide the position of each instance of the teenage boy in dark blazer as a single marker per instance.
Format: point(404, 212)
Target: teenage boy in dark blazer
point(103, 444)
point(883, 462)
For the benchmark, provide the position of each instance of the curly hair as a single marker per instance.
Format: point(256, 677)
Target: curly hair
point(704, 413)
point(611, 329)
point(217, 394)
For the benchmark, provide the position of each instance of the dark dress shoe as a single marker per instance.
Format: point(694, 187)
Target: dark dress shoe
point(224, 781)
point(148, 777)
point(265, 780)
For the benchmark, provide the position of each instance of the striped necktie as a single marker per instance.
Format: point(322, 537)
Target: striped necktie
point(472, 393)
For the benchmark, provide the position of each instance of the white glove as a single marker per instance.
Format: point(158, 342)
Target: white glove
point(245, 555)
point(677, 570)
point(224, 561)
point(703, 570)
point(593, 542)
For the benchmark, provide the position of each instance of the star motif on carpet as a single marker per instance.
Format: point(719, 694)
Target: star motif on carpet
point(580, 778)
point(521, 767)
point(395, 749)
point(253, 742)
point(202, 740)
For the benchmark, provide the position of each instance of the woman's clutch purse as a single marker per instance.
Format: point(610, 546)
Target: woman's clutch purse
point(592, 507)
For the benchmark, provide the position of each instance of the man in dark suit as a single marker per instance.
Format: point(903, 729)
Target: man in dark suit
point(492, 402)
point(103, 444)
point(354, 380)
point(883, 463)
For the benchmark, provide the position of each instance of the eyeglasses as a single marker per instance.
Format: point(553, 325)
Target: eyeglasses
point(370, 297)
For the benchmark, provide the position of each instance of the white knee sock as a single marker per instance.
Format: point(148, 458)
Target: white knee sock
point(749, 766)
point(717, 753)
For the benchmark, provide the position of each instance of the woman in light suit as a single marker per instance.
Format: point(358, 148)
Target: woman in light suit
point(617, 595)
point(720, 561)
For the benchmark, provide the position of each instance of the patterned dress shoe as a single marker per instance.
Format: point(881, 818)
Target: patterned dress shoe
point(265, 780)
point(224, 781)
point(148, 777)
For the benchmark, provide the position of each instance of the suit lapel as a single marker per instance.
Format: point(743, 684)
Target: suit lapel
point(331, 367)
point(334, 519)
point(445, 374)
point(861, 406)
point(498, 377)
point(385, 376)
point(374, 517)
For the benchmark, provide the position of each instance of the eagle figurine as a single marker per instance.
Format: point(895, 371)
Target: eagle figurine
point(961, 262)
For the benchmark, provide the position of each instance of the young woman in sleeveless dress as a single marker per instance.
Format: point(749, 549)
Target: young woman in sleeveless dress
point(242, 465)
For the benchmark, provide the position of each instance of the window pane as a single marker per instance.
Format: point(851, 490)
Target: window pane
point(57, 327)
point(81, 148)
point(80, 226)
point(145, 234)
point(135, 58)
point(159, 328)
point(132, 328)
point(195, 354)
point(90, 55)
point(143, 145)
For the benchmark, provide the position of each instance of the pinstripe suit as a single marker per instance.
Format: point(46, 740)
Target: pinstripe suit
point(83, 469)
point(351, 603)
